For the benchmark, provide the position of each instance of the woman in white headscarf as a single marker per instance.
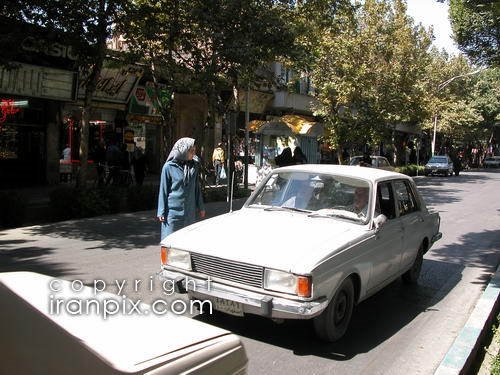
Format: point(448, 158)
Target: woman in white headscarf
point(180, 197)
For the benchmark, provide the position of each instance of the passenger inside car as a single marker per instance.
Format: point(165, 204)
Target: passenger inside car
point(385, 200)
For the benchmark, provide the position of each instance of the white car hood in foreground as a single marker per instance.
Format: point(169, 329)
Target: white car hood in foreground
point(276, 239)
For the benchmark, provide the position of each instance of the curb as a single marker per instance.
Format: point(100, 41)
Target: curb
point(463, 351)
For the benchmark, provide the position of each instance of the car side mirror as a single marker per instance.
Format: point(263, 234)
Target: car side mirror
point(379, 221)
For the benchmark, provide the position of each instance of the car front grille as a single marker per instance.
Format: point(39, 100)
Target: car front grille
point(244, 273)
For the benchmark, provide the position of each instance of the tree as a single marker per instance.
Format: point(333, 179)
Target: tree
point(370, 73)
point(86, 25)
point(208, 46)
point(476, 29)
point(153, 32)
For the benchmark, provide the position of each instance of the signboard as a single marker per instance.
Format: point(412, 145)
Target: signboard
point(114, 85)
point(144, 101)
point(38, 82)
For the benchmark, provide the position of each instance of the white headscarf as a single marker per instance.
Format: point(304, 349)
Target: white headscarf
point(179, 154)
point(180, 150)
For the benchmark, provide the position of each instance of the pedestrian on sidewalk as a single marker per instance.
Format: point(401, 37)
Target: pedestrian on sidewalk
point(180, 198)
point(139, 164)
point(218, 159)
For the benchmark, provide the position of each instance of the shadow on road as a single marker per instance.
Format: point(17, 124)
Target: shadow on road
point(473, 249)
point(374, 320)
point(29, 258)
point(126, 231)
point(434, 193)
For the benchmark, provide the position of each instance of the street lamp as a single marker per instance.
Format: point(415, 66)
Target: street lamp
point(439, 88)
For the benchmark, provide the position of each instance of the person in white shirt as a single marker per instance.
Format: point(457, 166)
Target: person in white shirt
point(66, 153)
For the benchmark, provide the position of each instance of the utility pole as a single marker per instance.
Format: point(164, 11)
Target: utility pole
point(439, 88)
point(247, 120)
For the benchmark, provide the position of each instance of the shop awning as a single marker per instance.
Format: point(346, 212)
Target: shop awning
point(287, 125)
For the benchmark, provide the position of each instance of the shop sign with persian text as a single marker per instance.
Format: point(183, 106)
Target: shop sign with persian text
point(114, 84)
point(38, 82)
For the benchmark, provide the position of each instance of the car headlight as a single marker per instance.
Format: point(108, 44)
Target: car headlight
point(175, 258)
point(286, 282)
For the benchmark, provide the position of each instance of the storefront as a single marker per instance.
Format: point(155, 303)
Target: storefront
point(144, 120)
point(27, 156)
point(107, 117)
point(276, 133)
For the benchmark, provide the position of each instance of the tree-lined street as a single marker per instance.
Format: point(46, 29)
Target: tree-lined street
point(399, 330)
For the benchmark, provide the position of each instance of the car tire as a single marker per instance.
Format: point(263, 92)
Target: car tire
point(333, 322)
point(411, 276)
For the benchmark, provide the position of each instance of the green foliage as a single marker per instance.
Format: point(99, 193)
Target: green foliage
point(371, 73)
point(466, 101)
point(476, 29)
point(12, 208)
point(220, 194)
point(114, 196)
point(71, 203)
point(411, 169)
point(215, 195)
point(142, 197)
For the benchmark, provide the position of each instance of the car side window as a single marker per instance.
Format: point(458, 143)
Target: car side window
point(406, 199)
point(383, 163)
point(385, 200)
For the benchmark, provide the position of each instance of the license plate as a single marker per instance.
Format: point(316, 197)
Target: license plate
point(228, 307)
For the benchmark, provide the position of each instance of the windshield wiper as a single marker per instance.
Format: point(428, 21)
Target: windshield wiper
point(344, 215)
point(285, 208)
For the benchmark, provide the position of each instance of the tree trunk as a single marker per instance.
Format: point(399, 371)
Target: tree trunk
point(92, 79)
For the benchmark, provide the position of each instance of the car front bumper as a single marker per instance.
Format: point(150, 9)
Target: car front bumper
point(251, 302)
point(436, 170)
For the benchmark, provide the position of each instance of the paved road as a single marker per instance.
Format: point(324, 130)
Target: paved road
point(400, 330)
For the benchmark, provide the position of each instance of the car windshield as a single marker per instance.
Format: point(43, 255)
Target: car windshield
point(436, 159)
point(316, 194)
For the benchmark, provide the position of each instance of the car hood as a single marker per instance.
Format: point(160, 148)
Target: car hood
point(436, 164)
point(275, 239)
point(128, 341)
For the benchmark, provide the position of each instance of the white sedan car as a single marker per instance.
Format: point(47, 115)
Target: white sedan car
point(380, 162)
point(311, 242)
point(492, 162)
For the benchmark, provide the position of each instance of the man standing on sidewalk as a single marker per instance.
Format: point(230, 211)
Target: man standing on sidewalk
point(218, 161)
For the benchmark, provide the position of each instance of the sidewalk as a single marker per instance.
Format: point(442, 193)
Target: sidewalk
point(37, 198)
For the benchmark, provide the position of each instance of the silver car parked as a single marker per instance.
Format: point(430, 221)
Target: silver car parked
point(441, 164)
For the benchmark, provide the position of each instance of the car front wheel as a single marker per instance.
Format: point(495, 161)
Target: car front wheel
point(411, 276)
point(332, 324)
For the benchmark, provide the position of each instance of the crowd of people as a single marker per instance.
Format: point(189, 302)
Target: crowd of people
point(114, 164)
point(287, 158)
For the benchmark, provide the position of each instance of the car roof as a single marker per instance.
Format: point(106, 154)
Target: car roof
point(367, 173)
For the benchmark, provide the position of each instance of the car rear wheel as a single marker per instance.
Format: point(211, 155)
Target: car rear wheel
point(332, 324)
point(411, 276)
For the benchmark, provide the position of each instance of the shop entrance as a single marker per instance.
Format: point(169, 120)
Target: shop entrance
point(22, 156)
